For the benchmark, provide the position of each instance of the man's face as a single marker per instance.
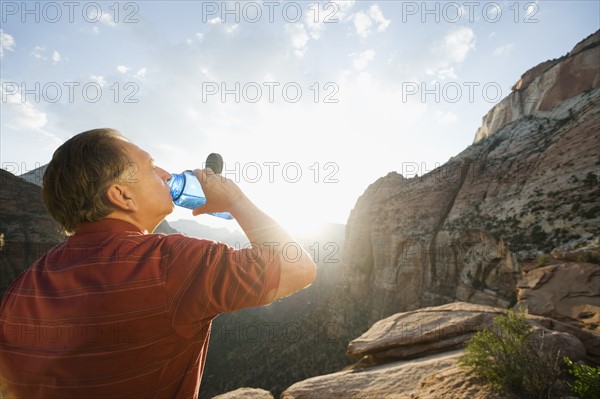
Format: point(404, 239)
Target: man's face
point(148, 187)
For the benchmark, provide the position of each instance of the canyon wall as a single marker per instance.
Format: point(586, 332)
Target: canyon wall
point(466, 230)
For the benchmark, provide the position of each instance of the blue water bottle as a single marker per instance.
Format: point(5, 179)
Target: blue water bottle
point(187, 192)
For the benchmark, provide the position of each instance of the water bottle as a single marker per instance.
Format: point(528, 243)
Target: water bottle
point(186, 190)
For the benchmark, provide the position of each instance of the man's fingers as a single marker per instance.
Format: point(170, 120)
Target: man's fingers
point(198, 211)
point(202, 174)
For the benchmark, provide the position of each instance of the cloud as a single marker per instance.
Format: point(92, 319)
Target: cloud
point(503, 50)
point(98, 79)
point(362, 60)
point(231, 28)
point(322, 14)
point(20, 113)
point(141, 74)
point(314, 20)
point(439, 57)
point(107, 19)
point(123, 69)
point(446, 73)
point(377, 16)
point(363, 21)
point(457, 44)
point(38, 52)
point(343, 8)
point(7, 42)
point(55, 57)
point(446, 118)
point(298, 36)
point(452, 49)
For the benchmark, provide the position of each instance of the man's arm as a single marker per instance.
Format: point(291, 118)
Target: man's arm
point(224, 195)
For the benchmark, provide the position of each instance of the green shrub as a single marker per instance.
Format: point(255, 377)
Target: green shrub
point(542, 260)
point(587, 380)
point(508, 358)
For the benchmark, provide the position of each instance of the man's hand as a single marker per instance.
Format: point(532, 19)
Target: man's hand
point(223, 195)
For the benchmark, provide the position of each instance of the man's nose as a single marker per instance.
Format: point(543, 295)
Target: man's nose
point(165, 175)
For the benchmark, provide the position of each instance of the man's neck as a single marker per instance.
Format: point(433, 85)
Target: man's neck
point(130, 218)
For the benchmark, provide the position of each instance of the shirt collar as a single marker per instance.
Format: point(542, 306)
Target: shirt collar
point(106, 225)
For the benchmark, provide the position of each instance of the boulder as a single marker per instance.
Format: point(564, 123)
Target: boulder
point(423, 331)
point(568, 292)
point(393, 380)
point(448, 327)
point(246, 393)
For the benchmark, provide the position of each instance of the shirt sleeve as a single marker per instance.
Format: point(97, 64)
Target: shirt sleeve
point(206, 278)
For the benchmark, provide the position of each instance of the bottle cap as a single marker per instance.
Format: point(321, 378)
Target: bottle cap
point(214, 161)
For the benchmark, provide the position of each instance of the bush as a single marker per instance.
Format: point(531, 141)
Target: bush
point(587, 380)
point(507, 356)
point(542, 260)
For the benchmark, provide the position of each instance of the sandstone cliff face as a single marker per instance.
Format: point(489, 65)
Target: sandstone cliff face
point(569, 292)
point(464, 231)
point(545, 86)
point(28, 230)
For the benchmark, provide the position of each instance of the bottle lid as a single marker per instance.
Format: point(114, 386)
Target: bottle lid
point(214, 161)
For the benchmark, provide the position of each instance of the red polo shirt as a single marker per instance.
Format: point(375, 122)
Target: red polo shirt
point(115, 313)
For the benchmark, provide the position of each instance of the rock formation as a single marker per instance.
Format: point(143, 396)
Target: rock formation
point(246, 393)
point(568, 292)
point(546, 86)
point(466, 230)
point(416, 353)
point(27, 228)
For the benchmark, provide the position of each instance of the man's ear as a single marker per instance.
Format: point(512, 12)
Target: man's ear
point(121, 197)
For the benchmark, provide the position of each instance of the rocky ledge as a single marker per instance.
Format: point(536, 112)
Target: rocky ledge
point(415, 354)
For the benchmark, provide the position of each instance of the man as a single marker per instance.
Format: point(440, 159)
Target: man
point(116, 312)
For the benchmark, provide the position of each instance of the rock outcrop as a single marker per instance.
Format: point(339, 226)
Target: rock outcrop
point(415, 354)
point(464, 231)
point(448, 327)
point(27, 228)
point(568, 292)
point(546, 86)
point(246, 393)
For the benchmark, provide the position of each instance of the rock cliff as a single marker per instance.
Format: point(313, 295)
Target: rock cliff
point(27, 228)
point(466, 230)
point(568, 292)
point(546, 86)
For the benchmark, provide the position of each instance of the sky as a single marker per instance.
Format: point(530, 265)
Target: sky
point(308, 102)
